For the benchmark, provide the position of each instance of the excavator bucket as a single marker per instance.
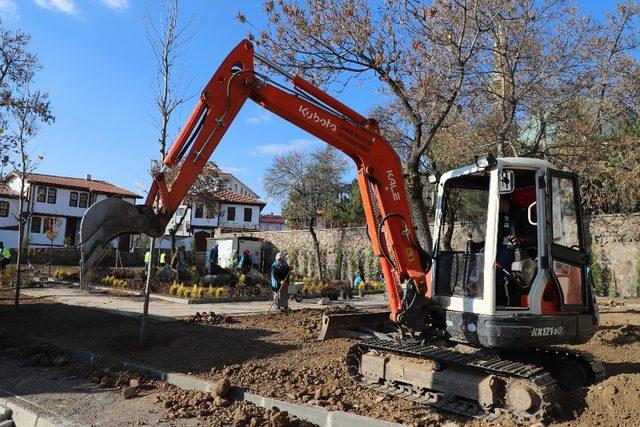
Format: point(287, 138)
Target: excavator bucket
point(354, 325)
point(106, 220)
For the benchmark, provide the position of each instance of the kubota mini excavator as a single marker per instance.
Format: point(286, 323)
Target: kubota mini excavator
point(473, 329)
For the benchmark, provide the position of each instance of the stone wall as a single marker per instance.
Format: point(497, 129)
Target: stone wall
point(615, 242)
point(614, 239)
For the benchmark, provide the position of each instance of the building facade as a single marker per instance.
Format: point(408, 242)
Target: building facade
point(236, 208)
point(272, 222)
point(55, 205)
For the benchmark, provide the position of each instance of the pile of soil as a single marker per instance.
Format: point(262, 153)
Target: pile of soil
point(619, 335)
point(614, 401)
point(209, 319)
point(221, 411)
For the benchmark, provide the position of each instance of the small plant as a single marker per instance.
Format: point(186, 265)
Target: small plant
point(219, 292)
point(8, 276)
point(362, 287)
point(211, 292)
point(173, 289)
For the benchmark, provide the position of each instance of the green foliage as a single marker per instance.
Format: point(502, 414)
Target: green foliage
point(597, 274)
point(638, 275)
point(293, 258)
point(346, 210)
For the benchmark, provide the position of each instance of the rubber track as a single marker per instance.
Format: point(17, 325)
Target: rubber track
point(597, 368)
point(535, 376)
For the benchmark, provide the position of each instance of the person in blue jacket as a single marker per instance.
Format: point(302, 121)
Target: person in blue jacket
point(245, 262)
point(280, 282)
point(212, 259)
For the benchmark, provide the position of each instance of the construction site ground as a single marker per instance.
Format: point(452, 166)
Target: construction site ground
point(277, 355)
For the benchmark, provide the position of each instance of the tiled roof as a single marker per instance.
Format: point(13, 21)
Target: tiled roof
point(228, 196)
point(7, 192)
point(274, 219)
point(90, 185)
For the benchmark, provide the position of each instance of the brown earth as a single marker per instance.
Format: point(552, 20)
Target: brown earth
point(277, 355)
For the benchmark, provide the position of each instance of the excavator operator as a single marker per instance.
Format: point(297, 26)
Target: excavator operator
point(514, 232)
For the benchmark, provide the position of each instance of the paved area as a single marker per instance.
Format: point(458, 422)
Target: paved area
point(161, 310)
point(68, 399)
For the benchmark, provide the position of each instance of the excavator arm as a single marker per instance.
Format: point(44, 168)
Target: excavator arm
point(380, 176)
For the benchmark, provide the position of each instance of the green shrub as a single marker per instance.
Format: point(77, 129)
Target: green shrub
point(638, 275)
point(597, 274)
point(173, 289)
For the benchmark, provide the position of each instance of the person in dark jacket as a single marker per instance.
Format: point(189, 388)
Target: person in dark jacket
point(212, 258)
point(514, 231)
point(245, 262)
point(280, 282)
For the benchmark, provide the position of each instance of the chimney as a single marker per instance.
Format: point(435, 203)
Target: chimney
point(88, 177)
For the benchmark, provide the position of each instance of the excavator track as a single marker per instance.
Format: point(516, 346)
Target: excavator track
point(570, 367)
point(525, 392)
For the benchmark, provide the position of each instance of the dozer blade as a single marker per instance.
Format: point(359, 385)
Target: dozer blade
point(353, 325)
point(106, 220)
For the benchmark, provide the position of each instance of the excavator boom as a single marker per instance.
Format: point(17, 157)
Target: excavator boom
point(380, 175)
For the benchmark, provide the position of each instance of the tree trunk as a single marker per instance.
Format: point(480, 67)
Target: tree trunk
point(50, 255)
point(316, 245)
point(418, 207)
point(21, 223)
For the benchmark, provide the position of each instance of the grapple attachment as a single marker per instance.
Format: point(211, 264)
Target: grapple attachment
point(106, 220)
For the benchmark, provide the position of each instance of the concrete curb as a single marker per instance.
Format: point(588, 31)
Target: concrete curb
point(26, 414)
point(314, 414)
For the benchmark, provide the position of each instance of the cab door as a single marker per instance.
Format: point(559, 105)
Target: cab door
point(567, 252)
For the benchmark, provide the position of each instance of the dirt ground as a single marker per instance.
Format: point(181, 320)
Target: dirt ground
point(277, 355)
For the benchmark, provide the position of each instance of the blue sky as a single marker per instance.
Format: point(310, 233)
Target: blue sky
point(99, 71)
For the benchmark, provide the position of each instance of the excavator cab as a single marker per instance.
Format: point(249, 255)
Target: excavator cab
point(510, 265)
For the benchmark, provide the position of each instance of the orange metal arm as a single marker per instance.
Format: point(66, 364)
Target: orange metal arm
point(379, 168)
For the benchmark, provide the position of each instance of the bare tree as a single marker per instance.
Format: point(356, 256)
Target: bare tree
point(26, 113)
point(167, 40)
point(422, 53)
point(51, 231)
point(306, 183)
point(17, 68)
point(203, 193)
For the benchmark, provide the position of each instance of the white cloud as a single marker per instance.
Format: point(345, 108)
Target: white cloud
point(262, 117)
point(8, 9)
point(296, 144)
point(118, 5)
point(65, 6)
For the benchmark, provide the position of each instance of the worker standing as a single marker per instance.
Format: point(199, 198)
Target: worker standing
point(245, 262)
point(212, 259)
point(147, 259)
point(358, 279)
point(5, 256)
point(280, 282)
point(163, 260)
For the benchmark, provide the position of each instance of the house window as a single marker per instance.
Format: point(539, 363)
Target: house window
point(248, 214)
point(36, 224)
point(209, 213)
point(231, 213)
point(51, 197)
point(92, 199)
point(73, 199)
point(199, 211)
point(4, 209)
point(83, 200)
point(42, 194)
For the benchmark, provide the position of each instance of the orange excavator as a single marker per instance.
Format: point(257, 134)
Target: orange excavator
point(474, 319)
